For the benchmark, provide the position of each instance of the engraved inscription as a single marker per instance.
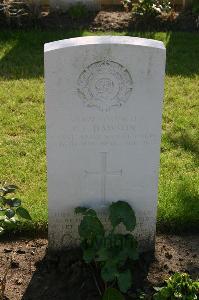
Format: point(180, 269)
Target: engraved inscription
point(103, 131)
point(64, 229)
point(104, 85)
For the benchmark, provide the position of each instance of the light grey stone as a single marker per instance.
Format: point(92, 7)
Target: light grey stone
point(63, 5)
point(103, 106)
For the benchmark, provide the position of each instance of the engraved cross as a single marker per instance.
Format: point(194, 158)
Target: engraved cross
point(103, 173)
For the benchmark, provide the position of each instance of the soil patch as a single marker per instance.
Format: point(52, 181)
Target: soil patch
point(33, 274)
point(105, 20)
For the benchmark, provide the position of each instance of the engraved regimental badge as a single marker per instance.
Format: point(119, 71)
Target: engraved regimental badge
point(104, 85)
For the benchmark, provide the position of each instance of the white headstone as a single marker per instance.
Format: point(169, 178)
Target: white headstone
point(63, 5)
point(104, 106)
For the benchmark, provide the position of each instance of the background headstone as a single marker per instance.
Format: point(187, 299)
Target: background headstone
point(63, 5)
point(103, 105)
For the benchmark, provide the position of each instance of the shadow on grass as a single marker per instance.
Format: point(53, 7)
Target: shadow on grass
point(186, 141)
point(24, 55)
point(182, 54)
point(25, 229)
point(188, 204)
point(184, 217)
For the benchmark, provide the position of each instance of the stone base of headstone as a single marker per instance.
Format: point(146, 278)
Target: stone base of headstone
point(63, 231)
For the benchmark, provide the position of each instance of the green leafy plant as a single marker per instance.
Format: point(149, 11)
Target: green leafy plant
point(77, 11)
point(151, 7)
point(178, 286)
point(112, 294)
point(127, 4)
point(109, 250)
point(11, 210)
point(195, 7)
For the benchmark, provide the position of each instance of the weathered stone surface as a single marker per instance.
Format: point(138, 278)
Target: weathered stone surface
point(103, 105)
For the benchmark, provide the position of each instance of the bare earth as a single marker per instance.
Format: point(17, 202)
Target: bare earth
point(34, 275)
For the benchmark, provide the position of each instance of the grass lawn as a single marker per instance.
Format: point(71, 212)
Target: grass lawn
point(22, 125)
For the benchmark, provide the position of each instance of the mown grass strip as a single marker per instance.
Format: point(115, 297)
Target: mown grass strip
point(22, 126)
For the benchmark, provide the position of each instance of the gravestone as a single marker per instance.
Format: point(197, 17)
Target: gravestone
point(63, 5)
point(103, 106)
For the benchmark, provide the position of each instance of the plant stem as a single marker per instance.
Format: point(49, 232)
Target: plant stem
point(95, 280)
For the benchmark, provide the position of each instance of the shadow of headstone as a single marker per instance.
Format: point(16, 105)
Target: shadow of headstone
point(61, 276)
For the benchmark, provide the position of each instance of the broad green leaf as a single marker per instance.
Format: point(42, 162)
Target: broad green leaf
point(14, 202)
point(131, 247)
point(178, 295)
point(80, 210)
point(10, 188)
point(89, 255)
point(165, 293)
point(2, 214)
point(8, 202)
point(23, 213)
point(117, 240)
point(115, 243)
point(157, 296)
point(10, 223)
point(119, 248)
point(2, 200)
point(1, 230)
point(10, 213)
point(90, 227)
point(2, 192)
point(157, 289)
point(121, 257)
point(112, 294)
point(121, 212)
point(128, 249)
point(124, 280)
point(102, 254)
point(85, 211)
point(109, 271)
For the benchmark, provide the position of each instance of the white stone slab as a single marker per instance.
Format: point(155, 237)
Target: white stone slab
point(103, 106)
point(63, 5)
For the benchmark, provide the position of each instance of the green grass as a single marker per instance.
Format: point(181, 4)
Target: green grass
point(22, 141)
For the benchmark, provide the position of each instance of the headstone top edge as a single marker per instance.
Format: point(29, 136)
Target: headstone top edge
point(96, 40)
